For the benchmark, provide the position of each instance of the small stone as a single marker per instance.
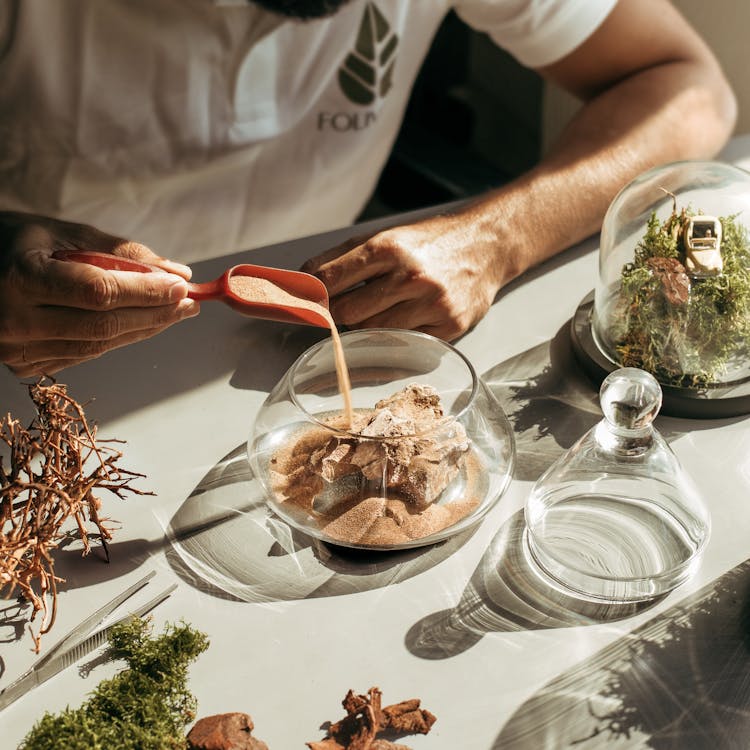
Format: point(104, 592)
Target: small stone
point(417, 452)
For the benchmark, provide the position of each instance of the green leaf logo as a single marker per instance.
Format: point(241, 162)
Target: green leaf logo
point(367, 71)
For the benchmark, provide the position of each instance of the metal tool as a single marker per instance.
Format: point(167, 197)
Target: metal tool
point(79, 642)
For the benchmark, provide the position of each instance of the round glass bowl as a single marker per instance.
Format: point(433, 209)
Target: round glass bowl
point(429, 479)
point(673, 292)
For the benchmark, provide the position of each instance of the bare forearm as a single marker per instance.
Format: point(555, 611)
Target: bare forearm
point(654, 93)
point(675, 111)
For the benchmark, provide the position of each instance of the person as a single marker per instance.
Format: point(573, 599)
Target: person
point(171, 130)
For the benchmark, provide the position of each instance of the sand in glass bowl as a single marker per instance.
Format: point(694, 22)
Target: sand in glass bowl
point(428, 452)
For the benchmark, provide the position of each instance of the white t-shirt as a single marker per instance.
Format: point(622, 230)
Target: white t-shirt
point(202, 127)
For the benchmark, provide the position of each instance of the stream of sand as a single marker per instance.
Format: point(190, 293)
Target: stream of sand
point(253, 289)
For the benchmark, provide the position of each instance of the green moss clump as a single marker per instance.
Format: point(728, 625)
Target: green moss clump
point(144, 707)
point(691, 344)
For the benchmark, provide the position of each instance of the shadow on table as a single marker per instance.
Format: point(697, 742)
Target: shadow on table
point(505, 594)
point(14, 617)
point(75, 570)
point(679, 681)
point(551, 402)
point(224, 541)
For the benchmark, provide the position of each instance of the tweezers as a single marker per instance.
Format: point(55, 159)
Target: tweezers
point(79, 642)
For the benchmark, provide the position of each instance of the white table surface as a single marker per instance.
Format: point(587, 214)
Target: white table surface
point(293, 625)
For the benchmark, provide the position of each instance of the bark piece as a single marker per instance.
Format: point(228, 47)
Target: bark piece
point(366, 718)
point(408, 718)
point(675, 283)
point(231, 731)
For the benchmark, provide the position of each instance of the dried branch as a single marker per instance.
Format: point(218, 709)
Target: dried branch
point(47, 493)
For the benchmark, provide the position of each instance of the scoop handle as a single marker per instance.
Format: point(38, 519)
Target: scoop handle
point(206, 290)
point(305, 285)
point(106, 260)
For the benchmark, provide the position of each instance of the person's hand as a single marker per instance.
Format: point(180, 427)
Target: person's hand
point(55, 313)
point(435, 276)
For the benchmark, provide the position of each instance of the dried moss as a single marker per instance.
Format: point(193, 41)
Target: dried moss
point(692, 344)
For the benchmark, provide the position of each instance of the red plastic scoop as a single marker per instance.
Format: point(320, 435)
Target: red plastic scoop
point(295, 290)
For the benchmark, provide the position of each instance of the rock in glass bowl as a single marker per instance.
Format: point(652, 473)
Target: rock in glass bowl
point(429, 452)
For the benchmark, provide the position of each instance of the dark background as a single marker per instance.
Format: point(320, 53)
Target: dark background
point(473, 122)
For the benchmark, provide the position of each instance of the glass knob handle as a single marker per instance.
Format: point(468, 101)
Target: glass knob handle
point(630, 398)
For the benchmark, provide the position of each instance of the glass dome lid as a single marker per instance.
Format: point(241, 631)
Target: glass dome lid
point(673, 291)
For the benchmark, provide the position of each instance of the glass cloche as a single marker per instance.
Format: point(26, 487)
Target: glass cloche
point(616, 517)
point(673, 293)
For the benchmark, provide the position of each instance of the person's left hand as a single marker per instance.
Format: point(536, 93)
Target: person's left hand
point(433, 276)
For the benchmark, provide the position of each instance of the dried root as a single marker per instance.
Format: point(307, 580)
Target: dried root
point(365, 719)
point(47, 494)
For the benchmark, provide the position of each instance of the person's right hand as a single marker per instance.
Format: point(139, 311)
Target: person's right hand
point(56, 313)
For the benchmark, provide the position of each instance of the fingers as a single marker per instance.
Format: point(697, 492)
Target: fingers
point(85, 237)
point(62, 323)
point(136, 251)
point(416, 315)
point(377, 296)
point(346, 266)
point(379, 284)
point(55, 312)
point(39, 278)
point(37, 357)
point(33, 369)
point(86, 287)
point(409, 314)
point(312, 265)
